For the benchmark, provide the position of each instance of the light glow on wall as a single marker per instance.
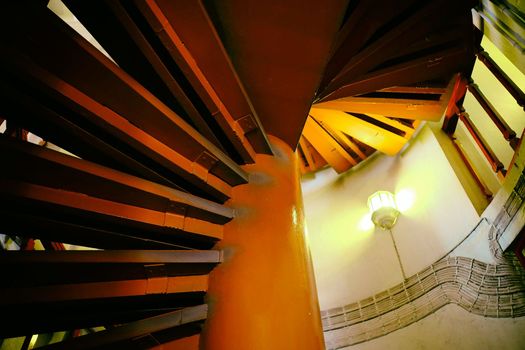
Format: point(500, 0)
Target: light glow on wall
point(366, 224)
point(405, 199)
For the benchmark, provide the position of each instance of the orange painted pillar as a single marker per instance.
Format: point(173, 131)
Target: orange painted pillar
point(263, 295)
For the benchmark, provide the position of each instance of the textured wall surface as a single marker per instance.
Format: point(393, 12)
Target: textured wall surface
point(483, 289)
point(452, 328)
point(489, 290)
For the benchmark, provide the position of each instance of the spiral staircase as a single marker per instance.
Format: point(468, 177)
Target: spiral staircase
point(160, 127)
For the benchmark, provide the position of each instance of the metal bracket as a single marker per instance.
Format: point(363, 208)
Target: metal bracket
point(157, 279)
point(175, 215)
point(147, 341)
point(247, 123)
point(203, 164)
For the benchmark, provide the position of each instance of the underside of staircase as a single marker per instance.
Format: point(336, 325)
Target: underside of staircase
point(160, 128)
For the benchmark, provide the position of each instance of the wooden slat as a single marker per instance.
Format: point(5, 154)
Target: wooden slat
point(344, 139)
point(416, 89)
point(181, 55)
point(392, 107)
point(307, 154)
point(100, 290)
point(194, 27)
point(40, 224)
point(339, 143)
point(372, 135)
point(35, 164)
point(279, 52)
point(46, 268)
point(472, 169)
point(407, 129)
point(145, 38)
point(132, 32)
point(193, 175)
point(410, 28)
point(85, 206)
point(114, 257)
point(317, 160)
point(55, 128)
point(89, 313)
point(122, 94)
point(329, 149)
point(428, 67)
point(117, 33)
point(134, 330)
point(366, 20)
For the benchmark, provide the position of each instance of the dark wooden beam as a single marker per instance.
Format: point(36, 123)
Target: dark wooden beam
point(279, 51)
point(362, 17)
point(196, 29)
point(48, 278)
point(114, 28)
point(56, 128)
point(102, 289)
point(203, 175)
point(122, 95)
point(428, 67)
point(124, 30)
point(179, 53)
point(135, 330)
point(208, 68)
point(102, 214)
point(35, 164)
point(112, 257)
point(37, 222)
point(417, 24)
point(84, 314)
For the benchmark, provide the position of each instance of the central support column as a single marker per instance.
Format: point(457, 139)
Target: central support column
point(263, 295)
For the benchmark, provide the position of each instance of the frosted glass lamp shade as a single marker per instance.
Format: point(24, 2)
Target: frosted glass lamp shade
point(382, 205)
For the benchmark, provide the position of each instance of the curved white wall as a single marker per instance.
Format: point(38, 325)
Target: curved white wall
point(353, 261)
point(451, 327)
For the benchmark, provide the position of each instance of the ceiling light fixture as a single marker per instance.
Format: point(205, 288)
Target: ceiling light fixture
point(384, 211)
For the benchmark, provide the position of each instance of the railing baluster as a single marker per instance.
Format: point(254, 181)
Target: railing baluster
point(503, 78)
point(495, 163)
point(501, 124)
